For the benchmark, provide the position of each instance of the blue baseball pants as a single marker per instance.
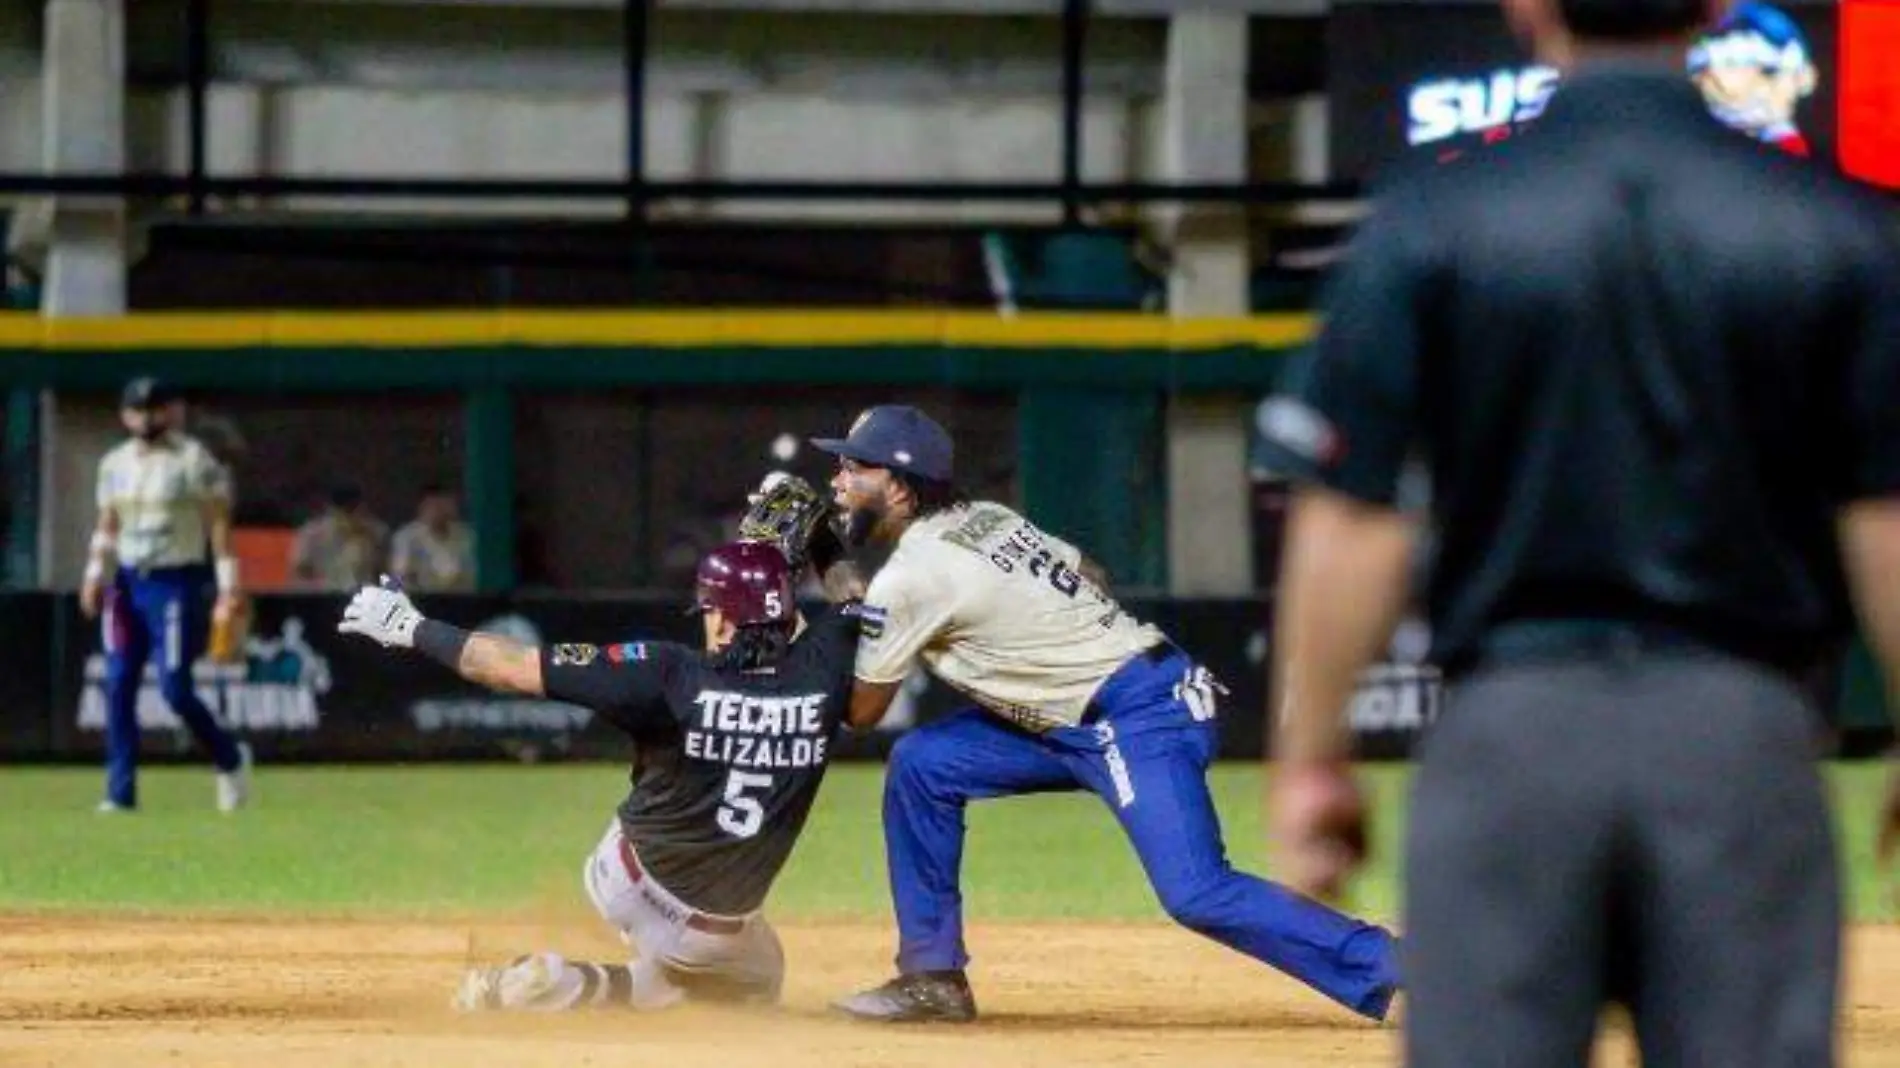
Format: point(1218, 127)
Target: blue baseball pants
point(1144, 751)
point(163, 612)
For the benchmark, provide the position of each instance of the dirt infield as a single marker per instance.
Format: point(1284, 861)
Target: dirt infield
point(297, 993)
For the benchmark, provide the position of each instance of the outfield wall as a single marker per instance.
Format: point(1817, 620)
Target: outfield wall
point(373, 352)
point(1094, 396)
point(303, 692)
point(1092, 387)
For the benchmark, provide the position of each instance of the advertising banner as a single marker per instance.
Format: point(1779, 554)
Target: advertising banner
point(26, 674)
point(304, 692)
point(1422, 83)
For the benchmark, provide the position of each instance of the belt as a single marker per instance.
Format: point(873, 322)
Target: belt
point(698, 921)
point(1532, 641)
point(149, 570)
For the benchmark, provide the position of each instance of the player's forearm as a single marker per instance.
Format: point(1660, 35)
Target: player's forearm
point(484, 659)
point(223, 555)
point(481, 658)
point(102, 552)
point(1342, 591)
point(869, 702)
point(1870, 548)
point(218, 531)
point(501, 664)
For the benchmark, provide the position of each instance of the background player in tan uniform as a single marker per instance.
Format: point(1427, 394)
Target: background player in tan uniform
point(163, 539)
point(435, 551)
point(1072, 693)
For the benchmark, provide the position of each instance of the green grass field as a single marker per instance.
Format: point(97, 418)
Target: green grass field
point(428, 838)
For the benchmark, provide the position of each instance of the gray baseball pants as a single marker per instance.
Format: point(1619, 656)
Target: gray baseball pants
point(1644, 828)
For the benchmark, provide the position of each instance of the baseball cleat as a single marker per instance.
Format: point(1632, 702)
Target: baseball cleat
point(234, 787)
point(478, 991)
point(519, 984)
point(920, 997)
point(109, 805)
point(1393, 1015)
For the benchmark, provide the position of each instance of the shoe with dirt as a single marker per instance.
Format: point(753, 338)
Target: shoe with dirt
point(522, 983)
point(920, 997)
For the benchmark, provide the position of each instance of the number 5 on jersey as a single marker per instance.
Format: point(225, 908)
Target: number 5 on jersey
point(741, 814)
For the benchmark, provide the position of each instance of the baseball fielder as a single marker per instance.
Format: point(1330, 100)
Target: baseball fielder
point(164, 502)
point(1072, 693)
point(732, 744)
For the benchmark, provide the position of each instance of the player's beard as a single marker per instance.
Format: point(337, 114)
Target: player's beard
point(153, 429)
point(860, 523)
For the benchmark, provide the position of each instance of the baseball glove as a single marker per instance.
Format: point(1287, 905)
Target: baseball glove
point(787, 512)
point(229, 634)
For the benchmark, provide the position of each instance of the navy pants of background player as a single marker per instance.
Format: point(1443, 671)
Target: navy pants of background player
point(163, 613)
point(1146, 755)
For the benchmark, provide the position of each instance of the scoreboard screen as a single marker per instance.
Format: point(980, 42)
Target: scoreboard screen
point(1441, 80)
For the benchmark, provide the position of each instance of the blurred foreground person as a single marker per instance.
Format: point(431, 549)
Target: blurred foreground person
point(1653, 372)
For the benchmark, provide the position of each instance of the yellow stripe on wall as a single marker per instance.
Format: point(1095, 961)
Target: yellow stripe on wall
point(682, 329)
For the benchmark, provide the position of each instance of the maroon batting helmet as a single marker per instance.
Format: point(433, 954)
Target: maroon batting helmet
point(748, 582)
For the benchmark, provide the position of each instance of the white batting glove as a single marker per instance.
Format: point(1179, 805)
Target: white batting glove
point(382, 614)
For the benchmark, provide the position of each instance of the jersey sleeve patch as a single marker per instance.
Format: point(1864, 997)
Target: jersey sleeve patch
point(575, 655)
point(626, 652)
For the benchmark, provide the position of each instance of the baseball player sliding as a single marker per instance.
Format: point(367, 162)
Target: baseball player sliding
point(1073, 693)
point(732, 740)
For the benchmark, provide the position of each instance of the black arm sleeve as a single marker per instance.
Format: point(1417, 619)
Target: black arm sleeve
point(827, 650)
point(1346, 417)
point(838, 628)
point(627, 683)
point(829, 642)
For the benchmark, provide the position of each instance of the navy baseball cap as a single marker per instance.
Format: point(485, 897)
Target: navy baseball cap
point(146, 392)
point(899, 437)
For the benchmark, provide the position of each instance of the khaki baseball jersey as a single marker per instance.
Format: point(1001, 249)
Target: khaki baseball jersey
point(999, 610)
point(158, 490)
point(340, 551)
point(432, 561)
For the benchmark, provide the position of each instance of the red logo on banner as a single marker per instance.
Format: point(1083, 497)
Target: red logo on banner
point(1869, 90)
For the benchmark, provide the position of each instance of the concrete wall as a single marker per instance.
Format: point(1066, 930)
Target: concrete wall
point(375, 89)
point(370, 89)
point(333, 131)
point(20, 120)
point(446, 90)
point(85, 432)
